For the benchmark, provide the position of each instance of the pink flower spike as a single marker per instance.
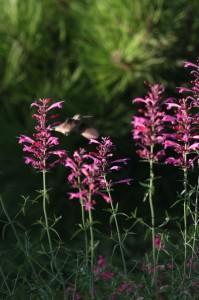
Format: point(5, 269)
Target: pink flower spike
point(41, 146)
point(87, 172)
point(148, 124)
point(181, 135)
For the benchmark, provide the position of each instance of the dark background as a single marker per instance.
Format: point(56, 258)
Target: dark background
point(96, 56)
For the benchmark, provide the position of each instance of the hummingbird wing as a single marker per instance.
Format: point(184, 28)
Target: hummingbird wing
point(86, 129)
point(90, 133)
point(66, 127)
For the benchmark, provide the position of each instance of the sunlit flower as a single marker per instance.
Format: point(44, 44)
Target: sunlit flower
point(41, 147)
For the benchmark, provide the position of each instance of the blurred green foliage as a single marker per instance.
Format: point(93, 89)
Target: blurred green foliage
point(95, 55)
point(91, 52)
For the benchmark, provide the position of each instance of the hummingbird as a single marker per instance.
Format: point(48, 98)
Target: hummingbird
point(78, 124)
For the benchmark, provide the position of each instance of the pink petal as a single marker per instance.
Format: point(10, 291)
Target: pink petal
point(184, 89)
point(139, 100)
point(105, 197)
point(29, 149)
point(88, 205)
point(168, 118)
point(56, 105)
point(194, 146)
point(171, 105)
point(116, 168)
point(127, 181)
point(53, 140)
point(92, 141)
point(174, 161)
point(175, 145)
point(25, 139)
point(190, 64)
point(29, 160)
point(71, 164)
point(60, 153)
point(34, 104)
point(75, 195)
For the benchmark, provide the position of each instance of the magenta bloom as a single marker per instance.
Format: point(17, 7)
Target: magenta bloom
point(181, 134)
point(41, 150)
point(87, 173)
point(182, 124)
point(103, 157)
point(83, 176)
point(148, 125)
point(194, 89)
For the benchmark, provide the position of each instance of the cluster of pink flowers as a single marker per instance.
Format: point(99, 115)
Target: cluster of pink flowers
point(87, 171)
point(41, 146)
point(169, 124)
point(83, 177)
point(104, 158)
point(182, 135)
point(147, 126)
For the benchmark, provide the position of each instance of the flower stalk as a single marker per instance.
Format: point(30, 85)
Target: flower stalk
point(117, 227)
point(151, 189)
point(44, 192)
point(91, 253)
point(83, 220)
point(148, 133)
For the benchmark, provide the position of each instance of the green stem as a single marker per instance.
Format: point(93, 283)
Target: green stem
point(117, 228)
point(151, 188)
point(16, 236)
point(45, 213)
point(185, 182)
point(195, 227)
point(92, 251)
point(11, 224)
point(83, 223)
point(54, 263)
